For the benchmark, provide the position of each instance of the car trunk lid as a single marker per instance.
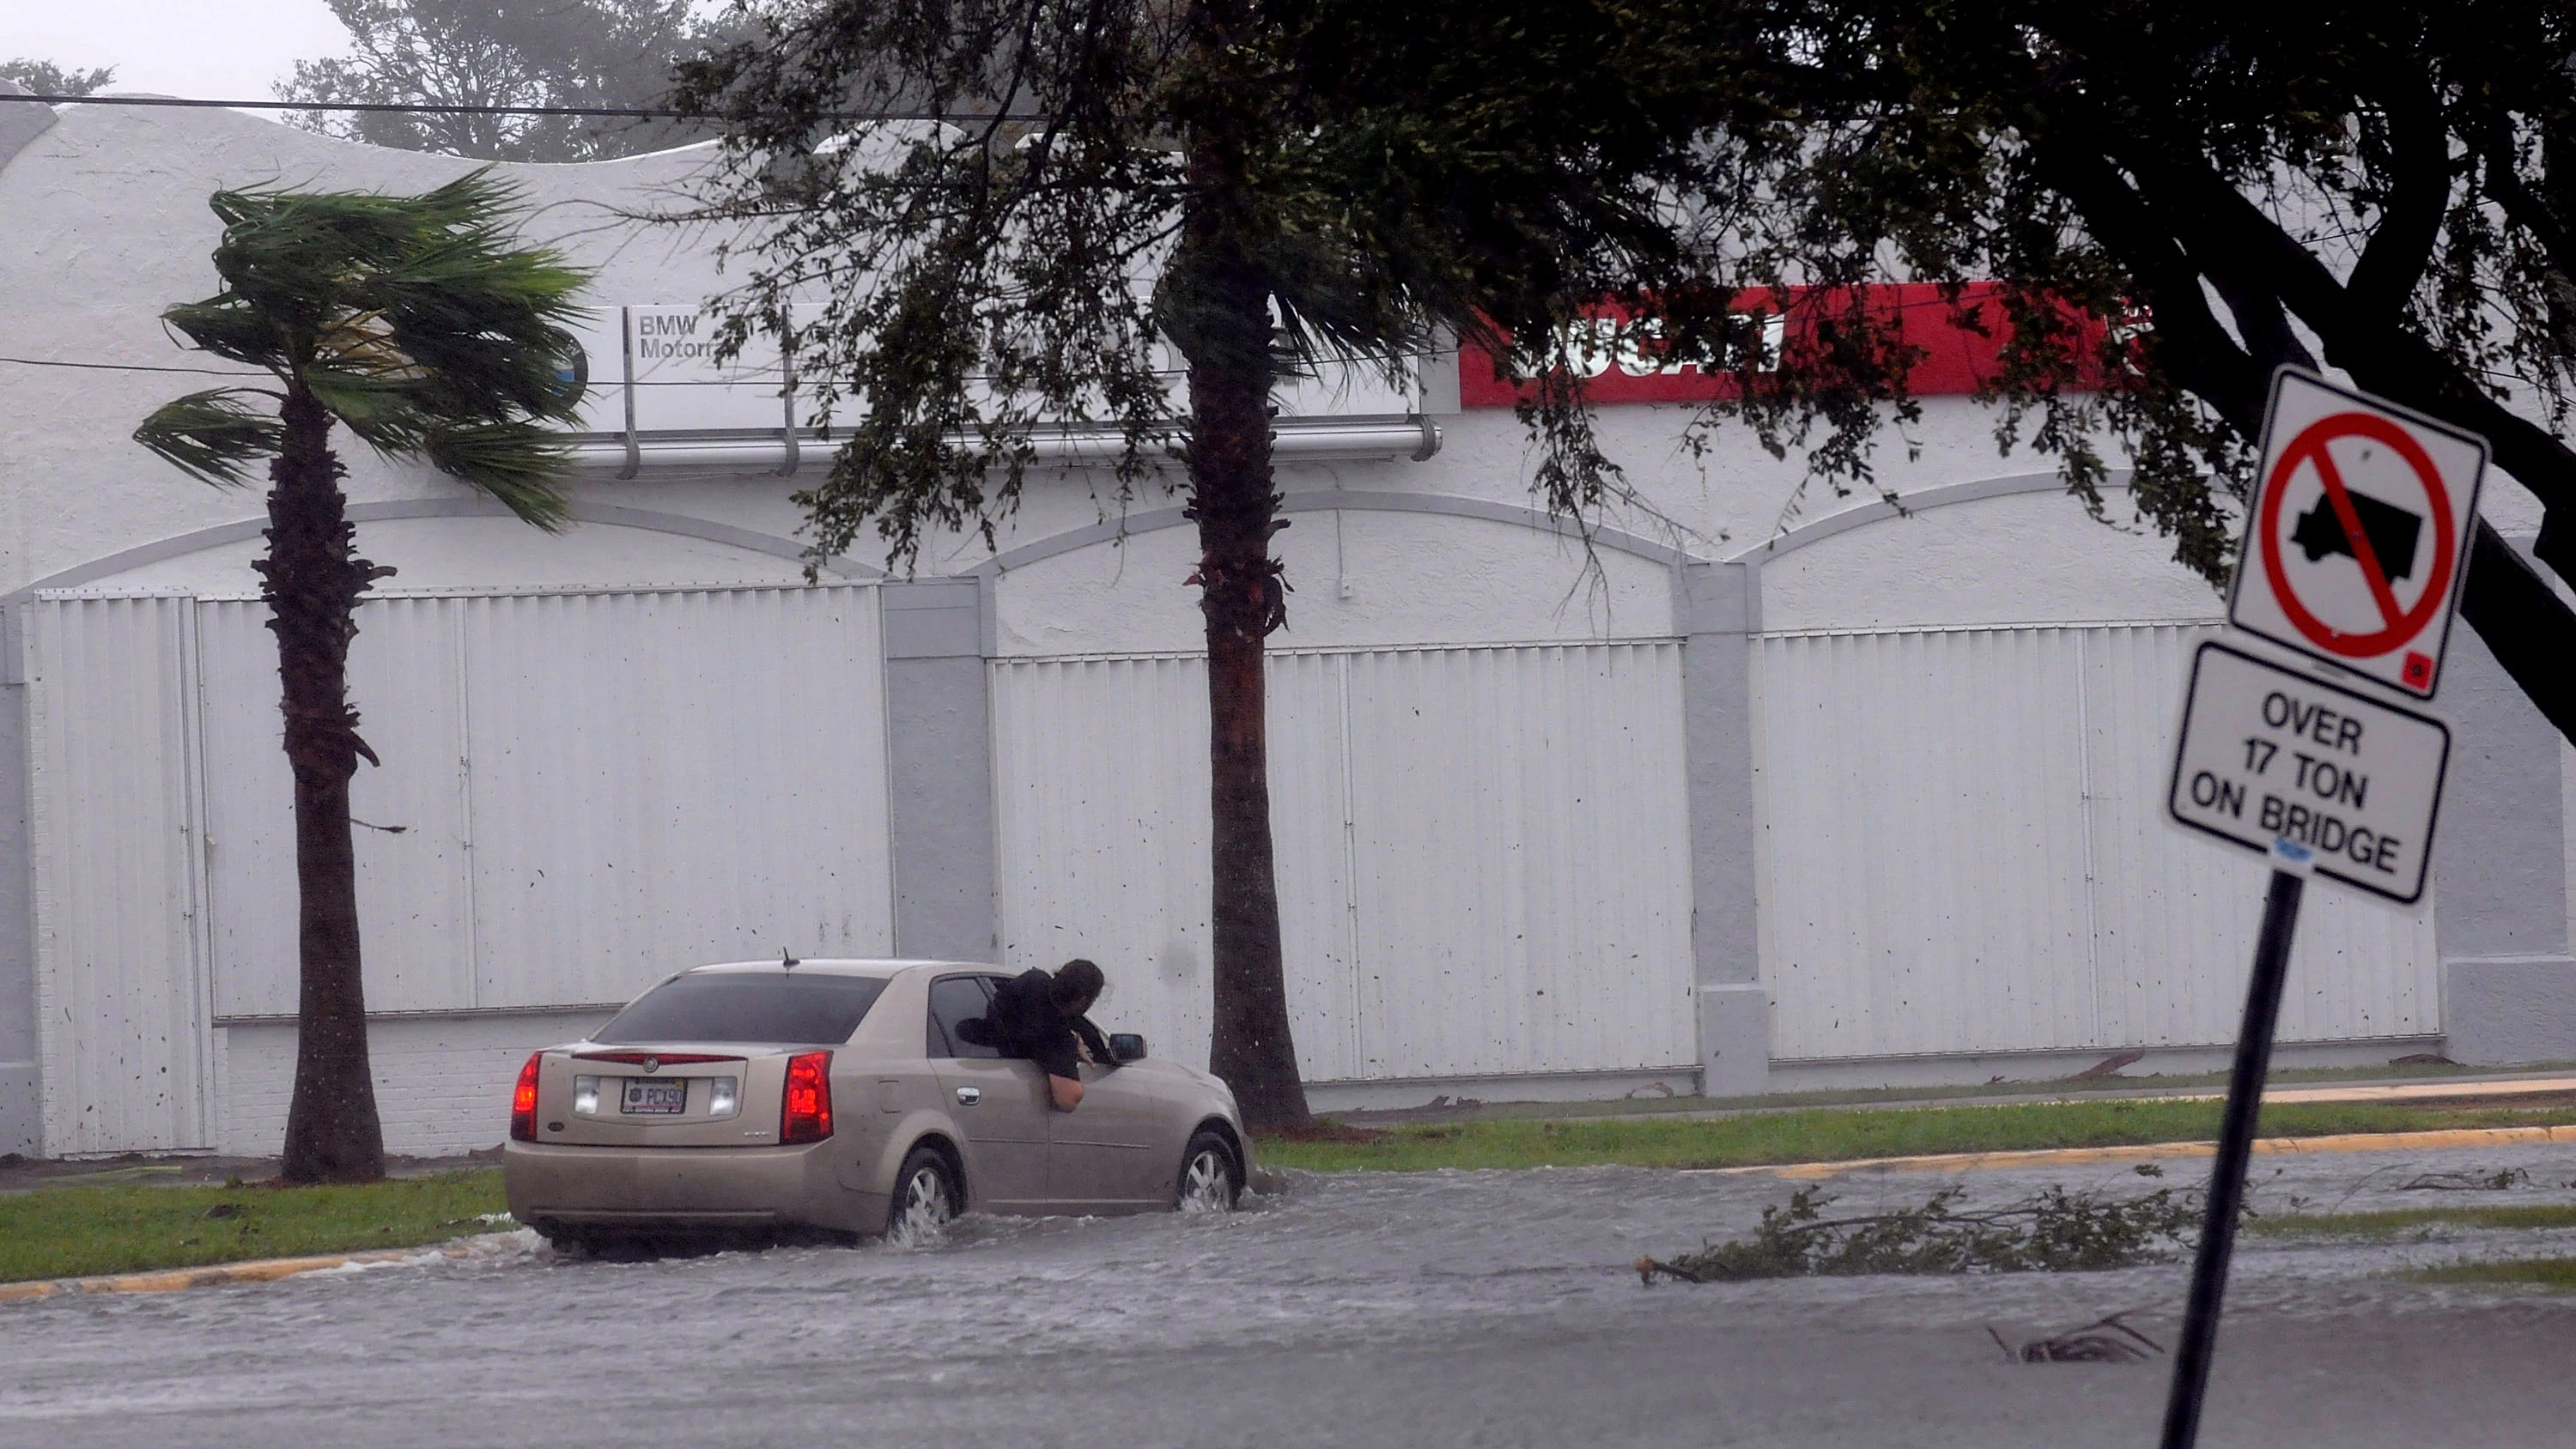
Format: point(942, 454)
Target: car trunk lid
point(676, 1094)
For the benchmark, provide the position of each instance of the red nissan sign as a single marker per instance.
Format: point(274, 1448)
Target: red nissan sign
point(1956, 359)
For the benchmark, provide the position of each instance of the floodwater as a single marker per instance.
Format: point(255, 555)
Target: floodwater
point(1482, 1308)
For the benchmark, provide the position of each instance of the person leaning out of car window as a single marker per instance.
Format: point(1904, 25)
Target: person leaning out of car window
point(1041, 1017)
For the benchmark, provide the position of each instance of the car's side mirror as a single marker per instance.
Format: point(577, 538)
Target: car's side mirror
point(1127, 1046)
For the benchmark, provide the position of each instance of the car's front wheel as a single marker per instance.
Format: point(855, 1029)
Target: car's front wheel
point(926, 1195)
point(1211, 1179)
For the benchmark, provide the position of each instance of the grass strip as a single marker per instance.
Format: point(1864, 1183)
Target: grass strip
point(1844, 1134)
point(2391, 1222)
point(73, 1232)
point(1970, 1093)
point(2558, 1273)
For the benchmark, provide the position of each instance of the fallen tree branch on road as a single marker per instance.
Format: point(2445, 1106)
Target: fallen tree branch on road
point(2054, 1230)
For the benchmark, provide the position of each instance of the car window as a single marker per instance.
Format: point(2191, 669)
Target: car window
point(746, 1006)
point(955, 1000)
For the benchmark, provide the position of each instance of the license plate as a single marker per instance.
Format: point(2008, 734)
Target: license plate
point(655, 1099)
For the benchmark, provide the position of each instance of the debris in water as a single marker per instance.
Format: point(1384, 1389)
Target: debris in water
point(2499, 1181)
point(2104, 1340)
point(2051, 1231)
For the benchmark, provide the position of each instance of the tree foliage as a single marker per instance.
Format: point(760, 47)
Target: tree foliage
point(417, 321)
point(44, 78)
point(2177, 197)
point(1403, 171)
point(582, 53)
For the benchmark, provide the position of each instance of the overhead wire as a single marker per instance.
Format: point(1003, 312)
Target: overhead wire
point(126, 367)
point(636, 113)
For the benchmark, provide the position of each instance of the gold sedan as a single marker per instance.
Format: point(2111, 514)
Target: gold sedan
point(832, 1098)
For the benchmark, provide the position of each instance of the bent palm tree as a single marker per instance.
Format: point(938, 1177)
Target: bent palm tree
point(419, 323)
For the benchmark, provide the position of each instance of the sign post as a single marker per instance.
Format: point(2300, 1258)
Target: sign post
point(2235, 1148)
point(2355, 550)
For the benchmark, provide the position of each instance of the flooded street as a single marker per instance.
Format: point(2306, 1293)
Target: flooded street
point(1455, 1308)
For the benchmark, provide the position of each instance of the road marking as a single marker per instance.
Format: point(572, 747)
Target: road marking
point(2151, 1151)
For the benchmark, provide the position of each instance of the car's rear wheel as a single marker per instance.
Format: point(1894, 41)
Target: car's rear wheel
point(567, 1242)
point(926, 1195)
point(1211, 1178)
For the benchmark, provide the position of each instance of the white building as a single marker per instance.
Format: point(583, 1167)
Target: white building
point(1871, 799)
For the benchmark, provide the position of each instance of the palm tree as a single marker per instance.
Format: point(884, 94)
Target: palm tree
point(420, 324)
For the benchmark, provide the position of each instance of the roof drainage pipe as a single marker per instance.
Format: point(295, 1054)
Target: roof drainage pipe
point(782, 451)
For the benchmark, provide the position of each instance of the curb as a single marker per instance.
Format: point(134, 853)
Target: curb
point(2149, 1151)
point(256, 1270)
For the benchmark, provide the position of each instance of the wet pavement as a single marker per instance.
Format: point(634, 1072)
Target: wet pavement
point(1480, 1308)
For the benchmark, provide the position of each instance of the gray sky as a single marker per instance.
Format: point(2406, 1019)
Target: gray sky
point(224, 49)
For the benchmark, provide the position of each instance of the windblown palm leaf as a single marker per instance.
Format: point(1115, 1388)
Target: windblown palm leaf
point(417, 321)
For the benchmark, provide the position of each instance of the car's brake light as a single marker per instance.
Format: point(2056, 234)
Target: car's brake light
point(523, 1102)
point(805, 1113)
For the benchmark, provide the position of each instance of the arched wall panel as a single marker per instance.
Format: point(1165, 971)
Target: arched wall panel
point(580, 792)
point(1482, 857)
point(1964, 851)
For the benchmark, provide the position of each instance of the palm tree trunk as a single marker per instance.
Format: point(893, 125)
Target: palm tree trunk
point(1230, 372)
point(312, 580)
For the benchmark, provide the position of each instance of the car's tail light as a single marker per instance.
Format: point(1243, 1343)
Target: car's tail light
point(523, 1102)
point(805, 1114)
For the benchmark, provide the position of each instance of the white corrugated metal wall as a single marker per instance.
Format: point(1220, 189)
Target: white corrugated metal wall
point(1483, 855)
point(122, 965)
point(1964, 852)
point(581, 792)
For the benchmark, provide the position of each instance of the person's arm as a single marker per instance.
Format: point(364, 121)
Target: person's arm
point(1063, 1067)
point(1064, 1092)
point(1093, 1041)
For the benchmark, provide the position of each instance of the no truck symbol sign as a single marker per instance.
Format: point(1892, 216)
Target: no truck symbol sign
point(2356, 544)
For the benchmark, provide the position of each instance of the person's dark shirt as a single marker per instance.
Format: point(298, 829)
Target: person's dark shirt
point(1025, 1022)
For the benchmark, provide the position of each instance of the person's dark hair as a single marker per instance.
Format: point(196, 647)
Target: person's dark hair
point(1077, 985)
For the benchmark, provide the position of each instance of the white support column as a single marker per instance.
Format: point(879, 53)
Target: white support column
point(2500, 872)
point(1719, 609)
point(940, 770)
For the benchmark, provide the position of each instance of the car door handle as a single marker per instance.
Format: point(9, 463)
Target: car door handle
point(969, 1096)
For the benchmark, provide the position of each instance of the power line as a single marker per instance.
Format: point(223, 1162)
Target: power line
point(127, 367)
point(637, 113)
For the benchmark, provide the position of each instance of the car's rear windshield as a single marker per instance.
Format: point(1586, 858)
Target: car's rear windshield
point(741, 1006)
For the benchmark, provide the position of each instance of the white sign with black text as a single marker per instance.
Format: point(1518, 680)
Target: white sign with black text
point(2271, 754)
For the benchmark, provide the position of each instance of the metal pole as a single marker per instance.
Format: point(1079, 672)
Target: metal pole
point(2227, 1175)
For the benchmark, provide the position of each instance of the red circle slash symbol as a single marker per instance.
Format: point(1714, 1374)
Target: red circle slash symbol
point(2399, 625)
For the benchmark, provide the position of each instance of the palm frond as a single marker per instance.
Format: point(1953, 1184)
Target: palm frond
point(381, 408)
point(516, 462)
point(228, 327)
point(484, 323)
point(419, 321)
point(214, 435)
